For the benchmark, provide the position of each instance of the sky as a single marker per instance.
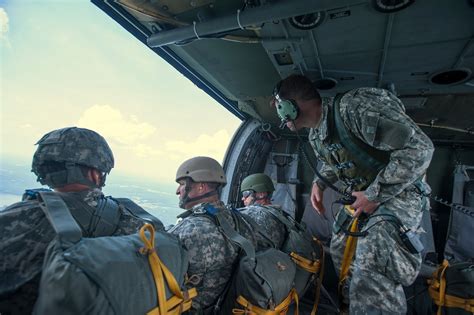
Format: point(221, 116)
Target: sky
point(66, 63)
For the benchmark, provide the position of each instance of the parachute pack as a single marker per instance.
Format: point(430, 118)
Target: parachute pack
point(305, 251)
point(130, 274)
point(264, 282)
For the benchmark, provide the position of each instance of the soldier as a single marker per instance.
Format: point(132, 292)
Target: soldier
point(365, 140)
point(74, 162)
point(257, 191)
point(211, 255)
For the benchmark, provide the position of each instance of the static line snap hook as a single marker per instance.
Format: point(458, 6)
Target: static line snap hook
point(238, 20)
point(195, 31)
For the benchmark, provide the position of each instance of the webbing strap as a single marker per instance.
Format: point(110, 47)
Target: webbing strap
point(161, 273)
point(108, 217)
point(349, 251)
point(353, 144)
point(437, 291)
point(101, 220)
point(280, 217)
point(451, 301)
point(280, 309)
point(235, 237)
point(61, 219)
point(312, 266)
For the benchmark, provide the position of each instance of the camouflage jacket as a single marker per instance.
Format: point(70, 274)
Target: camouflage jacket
point(374, 116)
point(24, 236)
point(272, 227)
point(211, 255)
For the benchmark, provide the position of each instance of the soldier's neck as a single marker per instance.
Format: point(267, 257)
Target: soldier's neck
point(263, 202)
point(72, 188)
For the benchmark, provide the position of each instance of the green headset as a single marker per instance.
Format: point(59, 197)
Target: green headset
point(287, 109)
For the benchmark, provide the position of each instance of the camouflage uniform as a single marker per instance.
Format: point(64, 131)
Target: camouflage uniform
point(211, 255)
point(24, 236)
point(272, 227)
point(381, 265)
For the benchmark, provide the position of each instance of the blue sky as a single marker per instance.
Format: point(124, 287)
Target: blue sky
point(66, 63)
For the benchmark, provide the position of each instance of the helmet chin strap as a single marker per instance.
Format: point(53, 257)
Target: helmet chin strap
point(186, 199)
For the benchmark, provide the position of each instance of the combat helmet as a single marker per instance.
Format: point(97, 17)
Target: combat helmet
point(75, 147)
point(258, 182)
point(202, 169)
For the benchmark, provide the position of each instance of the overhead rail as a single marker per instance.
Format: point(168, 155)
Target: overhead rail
point(239, 20)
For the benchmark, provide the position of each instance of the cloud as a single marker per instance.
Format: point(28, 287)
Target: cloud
point(112, 124)
point(213, 145)
point(3, 24)
point(146, 151)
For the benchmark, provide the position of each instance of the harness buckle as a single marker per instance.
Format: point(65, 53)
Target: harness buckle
point(199, 210)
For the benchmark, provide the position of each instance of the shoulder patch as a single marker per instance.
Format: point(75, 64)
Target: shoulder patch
point(393, 134)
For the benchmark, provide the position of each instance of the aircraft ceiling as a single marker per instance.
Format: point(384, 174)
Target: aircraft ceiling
point(237, 50)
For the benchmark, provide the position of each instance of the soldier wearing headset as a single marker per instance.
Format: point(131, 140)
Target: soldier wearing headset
point(365, 140)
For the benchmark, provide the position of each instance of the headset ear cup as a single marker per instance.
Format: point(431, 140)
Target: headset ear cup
point(287, 110)
point(296, 109)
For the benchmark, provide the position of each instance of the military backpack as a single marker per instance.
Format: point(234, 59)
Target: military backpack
point(130, 274)
point(262, 281)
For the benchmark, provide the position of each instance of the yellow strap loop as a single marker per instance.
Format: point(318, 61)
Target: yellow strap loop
point(437, 291)
point(451, 301)
point(280, 309)
point(349, 250)
point(175, 305)
point(178, 303)
point(312, 266)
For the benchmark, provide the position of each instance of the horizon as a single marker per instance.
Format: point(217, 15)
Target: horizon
point(156, 197)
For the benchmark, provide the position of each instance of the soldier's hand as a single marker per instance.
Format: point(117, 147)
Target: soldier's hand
point(317, 199)
point(362, 204)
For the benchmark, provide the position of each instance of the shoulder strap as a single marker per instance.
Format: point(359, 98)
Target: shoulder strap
point(280, 217)
point(108, 217)
point(356, 146)
point(257, 229)
point(235, 237)
point(140, 213)
point(228, 230)
point(101, 220)
point(60, 217)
